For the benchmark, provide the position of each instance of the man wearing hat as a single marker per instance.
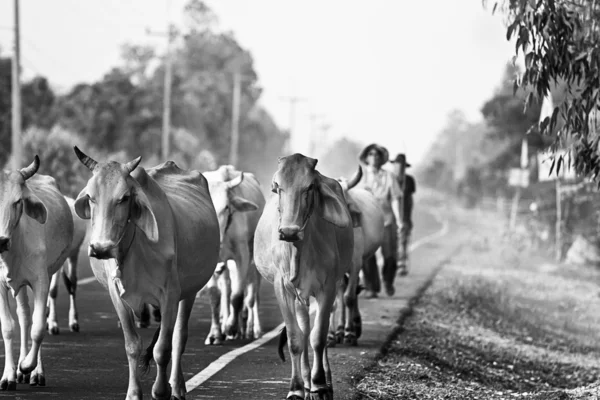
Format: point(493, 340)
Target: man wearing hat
point(384, 186)
point(408, 187)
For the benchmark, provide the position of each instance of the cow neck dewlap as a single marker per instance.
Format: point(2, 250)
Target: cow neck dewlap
point(15, 262)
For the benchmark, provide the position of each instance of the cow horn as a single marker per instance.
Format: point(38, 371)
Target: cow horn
point(85, 159)
point(131, 165)
point(356, 178)
point(235, 181)
point(29, 171)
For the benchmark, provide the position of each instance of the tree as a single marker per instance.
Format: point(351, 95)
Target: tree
point(37, 102)
point(560, 43)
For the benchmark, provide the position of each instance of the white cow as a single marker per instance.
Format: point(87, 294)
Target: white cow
point(303, 246)
point(154, 239)
point(367, 220)
point(69, 274)
point(239, 203)
point(36, 230)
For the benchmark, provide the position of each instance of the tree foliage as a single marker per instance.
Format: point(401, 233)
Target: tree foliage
point(123, 111)
point(559, 40)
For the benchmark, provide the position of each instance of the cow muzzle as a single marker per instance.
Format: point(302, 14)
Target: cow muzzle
point(102, 251)
point(291, 233)
point(4, 244)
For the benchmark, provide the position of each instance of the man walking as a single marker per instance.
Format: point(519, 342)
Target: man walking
point(408, 187)
point(384, 186)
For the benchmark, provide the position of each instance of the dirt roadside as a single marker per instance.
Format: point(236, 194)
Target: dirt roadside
point(496, 323)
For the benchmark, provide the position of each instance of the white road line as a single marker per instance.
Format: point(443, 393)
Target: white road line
point(226, 358)
point(86, 281)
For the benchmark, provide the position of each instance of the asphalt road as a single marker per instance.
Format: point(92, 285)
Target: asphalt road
point(92, 364)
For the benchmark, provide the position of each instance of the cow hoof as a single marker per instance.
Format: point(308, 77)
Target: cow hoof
point(350, 340)
point(23, 378)
point(74, 327)
point(213, 340)
point(331, 340)
point(322, 394)
point(339, 336)
point(53, 330)
point(37, 380)
point(257, 334)
point(5, 384)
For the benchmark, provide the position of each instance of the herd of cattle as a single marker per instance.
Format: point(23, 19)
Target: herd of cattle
point(160, 236)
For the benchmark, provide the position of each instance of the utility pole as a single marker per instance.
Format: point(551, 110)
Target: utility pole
point(313, 133)
point(171, 34)
point(235, 118)
point(293, 100)
point(16, 94)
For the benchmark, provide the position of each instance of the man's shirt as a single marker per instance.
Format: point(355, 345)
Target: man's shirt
point(384, 186)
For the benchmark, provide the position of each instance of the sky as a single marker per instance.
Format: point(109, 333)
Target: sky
point(386, 72)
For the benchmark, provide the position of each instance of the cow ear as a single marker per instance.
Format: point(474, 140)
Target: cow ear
point(242, 205)
point(143, 216)
point(332, 207)
point(82, 205)
point(34, 207)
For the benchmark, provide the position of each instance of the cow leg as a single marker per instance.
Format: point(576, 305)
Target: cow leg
point(258, 332)
point(251, 306)
point(9, 377)
point(295, 336)
point(38, 377)
point(24, 316)
point(371, 277)
point(320, 389)
point(303, 317)
point(332, 339)
point(161, 390)
point(180, 336)
point(352, 318)
point(69, 274)
point(215, 335)
point(238, 275)
point(51, 321)
point(40, 289)
point(224, 285)
point(133, 343)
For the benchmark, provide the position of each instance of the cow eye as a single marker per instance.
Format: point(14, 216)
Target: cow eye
point(123, 199)
point(274, 187)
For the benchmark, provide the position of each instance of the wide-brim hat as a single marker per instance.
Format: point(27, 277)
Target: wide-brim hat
point(385, 156)
point(399, 157)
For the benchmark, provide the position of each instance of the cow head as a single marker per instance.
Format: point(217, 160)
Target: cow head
point(301, 190)
point(226, 202)
point(112, 199)
point(16, 197)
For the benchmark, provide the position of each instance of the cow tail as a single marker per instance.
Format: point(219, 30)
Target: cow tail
point(149, 353)
point(282, 343)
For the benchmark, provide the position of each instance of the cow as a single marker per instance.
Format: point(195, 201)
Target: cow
point(303, 246)
point(69, 274)
point(36, 230)
point(367, 220)
point(239, 203)
point(154, 239)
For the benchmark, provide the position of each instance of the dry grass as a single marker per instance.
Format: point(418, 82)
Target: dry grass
point(497, 324)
